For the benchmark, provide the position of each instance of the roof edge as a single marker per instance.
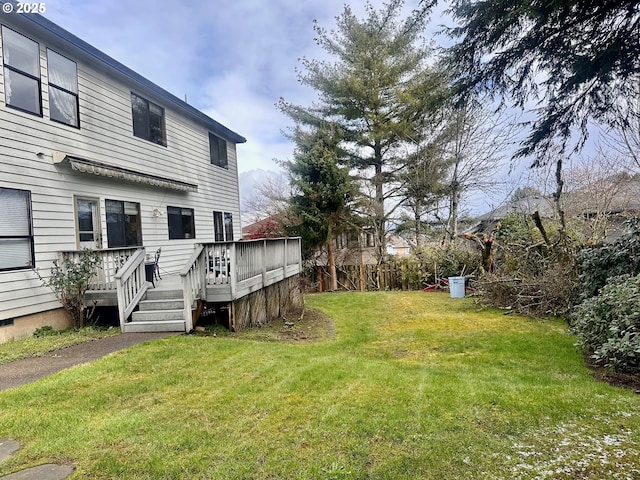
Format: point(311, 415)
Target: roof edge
point(113, 64)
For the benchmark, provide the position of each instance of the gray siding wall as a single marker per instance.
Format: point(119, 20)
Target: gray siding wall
point(27, 143)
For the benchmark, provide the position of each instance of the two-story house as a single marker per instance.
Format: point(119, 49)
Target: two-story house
point(93, 155)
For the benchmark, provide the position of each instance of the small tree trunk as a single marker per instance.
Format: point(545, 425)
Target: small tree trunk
point(418, 208)
point(558, 195)
point(455, 206)
point(538, 221)
point(333, 276)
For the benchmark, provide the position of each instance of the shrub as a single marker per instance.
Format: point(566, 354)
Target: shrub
point(45, 331)
point(608, 325)
point(597, 265)
point(425, 264)
point(70, 281)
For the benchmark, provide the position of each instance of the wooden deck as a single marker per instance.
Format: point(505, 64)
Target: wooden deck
point(218, 272)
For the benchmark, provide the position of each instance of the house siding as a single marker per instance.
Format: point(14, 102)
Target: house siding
point(27, 143)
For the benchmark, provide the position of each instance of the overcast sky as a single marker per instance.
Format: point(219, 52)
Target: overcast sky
point(232, 59)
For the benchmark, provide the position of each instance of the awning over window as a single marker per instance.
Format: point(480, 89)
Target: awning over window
point(102, 169)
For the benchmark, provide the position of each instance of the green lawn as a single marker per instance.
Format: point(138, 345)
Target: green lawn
point(35, 347)
point(411, 386)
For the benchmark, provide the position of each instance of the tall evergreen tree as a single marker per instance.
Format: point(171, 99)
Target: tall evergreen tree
point(321, 189)
point(379, 89)
point(574, 58)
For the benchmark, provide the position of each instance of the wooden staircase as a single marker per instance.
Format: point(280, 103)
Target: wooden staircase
point(161, 310)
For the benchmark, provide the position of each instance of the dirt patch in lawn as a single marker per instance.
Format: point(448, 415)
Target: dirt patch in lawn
point(623, 380)
point(308, 325)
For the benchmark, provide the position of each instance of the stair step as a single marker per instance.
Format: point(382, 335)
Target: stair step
point(168, 304)
point(144, 327)
point(162, 294)
point(157, 315)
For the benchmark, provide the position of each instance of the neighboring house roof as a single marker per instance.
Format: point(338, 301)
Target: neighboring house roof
point(526, 205)
point(396, 241)
point(614, 195)
point(136, 78)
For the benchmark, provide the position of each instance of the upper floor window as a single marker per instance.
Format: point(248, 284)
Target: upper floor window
point(63, 89)
point(218, 151)
point(148, 120)
point(21, 72)
point(181, 224)
point(16, 231)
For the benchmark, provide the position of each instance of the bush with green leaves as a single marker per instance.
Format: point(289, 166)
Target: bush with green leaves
point(69, 280)
point(608, 324)
point(425, 264)
point(45, 331)
point(621, 257)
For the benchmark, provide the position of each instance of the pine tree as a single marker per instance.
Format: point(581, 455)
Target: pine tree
point(576, 59)
point(321, 188)
point(380, 90)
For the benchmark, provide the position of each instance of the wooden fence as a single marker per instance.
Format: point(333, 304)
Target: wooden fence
point(359, 278)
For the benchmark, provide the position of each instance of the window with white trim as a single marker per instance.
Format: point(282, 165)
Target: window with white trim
point(218, 151)
point(21, 56)
point(222, 227)
point(228, 227)
point(16, 230)
point(63, 89)
point(123, 224)
point(181, 223)
point(148, 120)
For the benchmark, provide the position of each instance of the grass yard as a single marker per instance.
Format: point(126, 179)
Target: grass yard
point(405, 385)
point(36, 347)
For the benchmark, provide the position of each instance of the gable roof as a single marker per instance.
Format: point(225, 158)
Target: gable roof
point(523, 206)
point(48, 26)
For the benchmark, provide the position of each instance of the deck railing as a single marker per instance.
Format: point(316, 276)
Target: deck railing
point(131, 284)
point(192, 277)
point(231, 269)
point(231, 263)
point(111, 261)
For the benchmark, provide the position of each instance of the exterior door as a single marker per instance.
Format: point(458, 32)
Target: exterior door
point(88, 223)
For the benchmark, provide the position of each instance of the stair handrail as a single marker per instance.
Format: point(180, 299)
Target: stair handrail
point(193, 282)
point(131, 284)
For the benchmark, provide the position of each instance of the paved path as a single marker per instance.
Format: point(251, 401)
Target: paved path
point(29, 370)
point(47, 471)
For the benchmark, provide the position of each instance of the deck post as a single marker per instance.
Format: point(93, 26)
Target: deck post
point(284, 260)
point(233, 283)
point(264, 263)
point(186, 295)
point(202, 273)
point(121, 304)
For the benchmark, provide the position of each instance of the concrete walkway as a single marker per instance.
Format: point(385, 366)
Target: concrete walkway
point(48, 471)
point(29, 370)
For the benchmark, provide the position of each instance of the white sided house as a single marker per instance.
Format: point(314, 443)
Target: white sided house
point(93, 155)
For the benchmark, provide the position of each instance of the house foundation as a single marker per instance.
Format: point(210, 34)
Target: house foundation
point(21, 327)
